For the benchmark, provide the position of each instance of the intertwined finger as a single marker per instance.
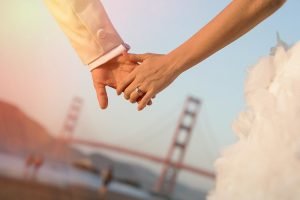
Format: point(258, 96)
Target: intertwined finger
point(138, 58)
point(138, 93)
point(132, 88)
point(143, 103)
point(148, 104)
point(123, 85)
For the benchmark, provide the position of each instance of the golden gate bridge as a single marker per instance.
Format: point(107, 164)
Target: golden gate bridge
point(171, 164)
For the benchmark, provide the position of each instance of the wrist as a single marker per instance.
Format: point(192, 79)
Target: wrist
point(100, 61)
point(176, 62)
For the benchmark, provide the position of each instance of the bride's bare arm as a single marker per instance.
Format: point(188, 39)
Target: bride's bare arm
point(236, 19)
point(157, 71)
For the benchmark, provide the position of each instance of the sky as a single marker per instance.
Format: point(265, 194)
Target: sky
point(41, 73)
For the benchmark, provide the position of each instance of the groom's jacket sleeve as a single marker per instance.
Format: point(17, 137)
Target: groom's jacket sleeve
point(89, 30)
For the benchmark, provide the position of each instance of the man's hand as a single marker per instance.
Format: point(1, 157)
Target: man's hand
point(111, 74)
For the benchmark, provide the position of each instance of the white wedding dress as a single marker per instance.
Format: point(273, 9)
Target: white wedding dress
point(264, 164)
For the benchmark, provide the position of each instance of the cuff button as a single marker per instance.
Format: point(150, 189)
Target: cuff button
point(101, 34)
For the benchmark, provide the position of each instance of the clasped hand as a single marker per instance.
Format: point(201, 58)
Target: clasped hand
point(139, 76)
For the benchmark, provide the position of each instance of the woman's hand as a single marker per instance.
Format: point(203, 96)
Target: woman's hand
point(111, 74)
point(153, 75)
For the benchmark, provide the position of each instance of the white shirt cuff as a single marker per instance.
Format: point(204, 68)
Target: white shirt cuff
point(108, 56)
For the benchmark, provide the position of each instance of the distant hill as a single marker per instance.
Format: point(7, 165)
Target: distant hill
point(21, 135)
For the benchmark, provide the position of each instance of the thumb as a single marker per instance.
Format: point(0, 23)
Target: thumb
point(102, 96)
point(138, 57)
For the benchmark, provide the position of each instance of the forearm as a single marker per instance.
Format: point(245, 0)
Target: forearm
point(236, 19)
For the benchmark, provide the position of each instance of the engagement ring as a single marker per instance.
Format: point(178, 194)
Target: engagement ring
point(139, 91)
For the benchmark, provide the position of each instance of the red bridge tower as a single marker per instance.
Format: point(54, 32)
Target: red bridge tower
point(176, 153)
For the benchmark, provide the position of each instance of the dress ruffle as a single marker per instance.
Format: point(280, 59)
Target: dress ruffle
point(264, 164)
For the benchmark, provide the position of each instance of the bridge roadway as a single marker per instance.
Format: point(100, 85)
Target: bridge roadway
point(142, 155)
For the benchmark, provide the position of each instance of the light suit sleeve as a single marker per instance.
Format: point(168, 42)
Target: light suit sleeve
point(89, 30)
